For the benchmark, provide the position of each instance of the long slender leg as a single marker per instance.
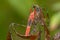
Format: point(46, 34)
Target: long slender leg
point(28, 28)
point(9, 35)
point(30, 21)
point(39, 35)
point(47, 33)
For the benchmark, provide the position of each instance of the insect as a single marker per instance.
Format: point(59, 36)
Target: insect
point(39, 17)
point(36, 16)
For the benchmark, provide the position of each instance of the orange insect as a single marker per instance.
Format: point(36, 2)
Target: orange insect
point(36, 16)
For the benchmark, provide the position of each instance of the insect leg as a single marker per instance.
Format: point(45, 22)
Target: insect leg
point(28, 28)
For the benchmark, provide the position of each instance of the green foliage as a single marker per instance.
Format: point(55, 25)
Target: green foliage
point(18, 11)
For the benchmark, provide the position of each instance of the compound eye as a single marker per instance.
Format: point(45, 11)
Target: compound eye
point(34, 6)
point(37, 9)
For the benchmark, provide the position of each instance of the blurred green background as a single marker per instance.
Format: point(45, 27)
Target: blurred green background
point(18, 11)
